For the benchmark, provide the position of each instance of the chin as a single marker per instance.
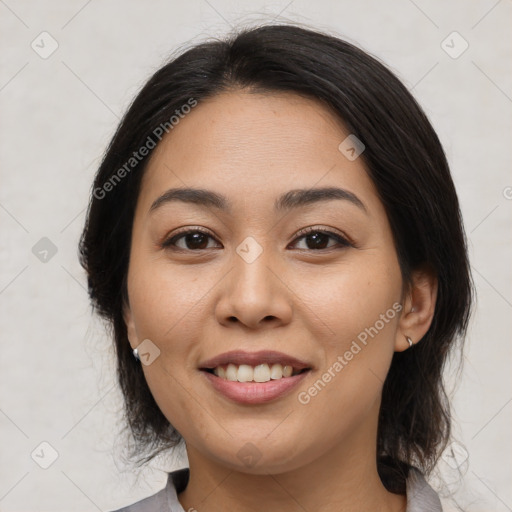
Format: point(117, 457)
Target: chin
point(259, 457)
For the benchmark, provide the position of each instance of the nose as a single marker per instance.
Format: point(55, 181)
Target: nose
point(255, 294)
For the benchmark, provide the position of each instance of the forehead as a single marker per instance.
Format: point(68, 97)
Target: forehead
point(253, 145)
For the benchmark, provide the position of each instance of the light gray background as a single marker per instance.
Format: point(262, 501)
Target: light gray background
point(58, 114)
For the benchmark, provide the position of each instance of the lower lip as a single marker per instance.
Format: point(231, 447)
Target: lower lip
point(255, 392)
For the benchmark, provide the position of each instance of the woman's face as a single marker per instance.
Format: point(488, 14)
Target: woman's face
point(253, 281)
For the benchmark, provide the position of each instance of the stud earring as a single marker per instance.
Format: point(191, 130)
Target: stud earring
point(136, 354)
point(409, 341)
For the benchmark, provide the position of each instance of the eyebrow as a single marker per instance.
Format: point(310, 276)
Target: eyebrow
point(290, 200)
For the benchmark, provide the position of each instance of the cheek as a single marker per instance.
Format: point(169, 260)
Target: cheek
point(352, 298)
point(164, 298)
point(349, 385)
point(166, 308)
point(360, 305)
point(176, 404)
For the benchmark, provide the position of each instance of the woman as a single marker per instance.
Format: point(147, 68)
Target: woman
point(275, 237)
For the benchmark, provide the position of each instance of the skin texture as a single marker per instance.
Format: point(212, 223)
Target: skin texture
point(310, 303)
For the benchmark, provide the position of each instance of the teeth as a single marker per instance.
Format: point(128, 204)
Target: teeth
point(276, 372)
point(247, 373)
point(231, 372)
point(261, 373)
point(287, 371)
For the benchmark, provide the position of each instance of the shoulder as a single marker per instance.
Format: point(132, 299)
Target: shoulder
point(165, 500)
point(420, 496)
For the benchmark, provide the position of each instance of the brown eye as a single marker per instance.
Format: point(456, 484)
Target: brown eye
point(318, 239)
point(191, 240)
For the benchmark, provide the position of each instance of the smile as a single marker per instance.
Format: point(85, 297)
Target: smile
point(253, 378)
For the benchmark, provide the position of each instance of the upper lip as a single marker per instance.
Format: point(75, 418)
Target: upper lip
point(239, 357)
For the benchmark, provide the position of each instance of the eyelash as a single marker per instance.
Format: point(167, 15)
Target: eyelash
point(343, 241)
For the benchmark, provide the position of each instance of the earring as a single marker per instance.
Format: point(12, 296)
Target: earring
point(136, 354)
point(409, 341)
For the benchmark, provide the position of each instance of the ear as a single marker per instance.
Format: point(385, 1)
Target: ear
point(130, 326)
point(419, 307)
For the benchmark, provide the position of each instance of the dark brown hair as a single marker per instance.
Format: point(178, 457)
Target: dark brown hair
point(403, 158)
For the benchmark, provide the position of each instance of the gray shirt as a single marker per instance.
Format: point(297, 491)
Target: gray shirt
point(420, 496)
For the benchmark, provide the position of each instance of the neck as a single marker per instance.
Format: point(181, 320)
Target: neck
point(343, 479)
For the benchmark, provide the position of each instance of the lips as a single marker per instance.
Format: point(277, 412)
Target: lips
point(287, 373)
